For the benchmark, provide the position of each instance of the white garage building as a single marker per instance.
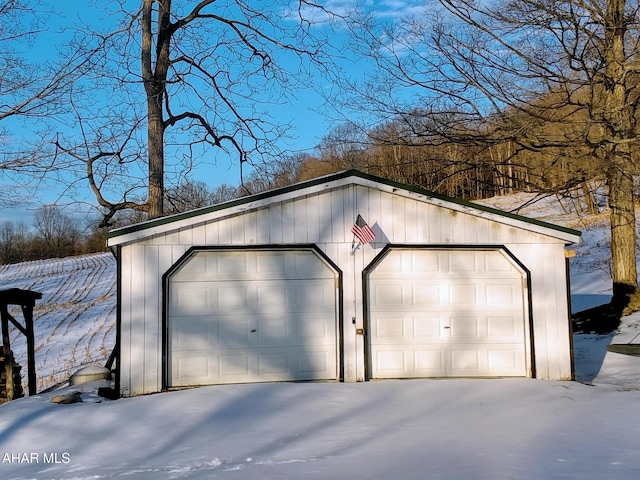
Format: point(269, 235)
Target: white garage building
point(274, 287)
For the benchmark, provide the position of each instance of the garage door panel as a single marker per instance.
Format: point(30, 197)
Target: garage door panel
point(389, 328)
point(271, 266)
point(429, 362)
point(506, 329)
point(316, 364)
point(191, 367)
point(191, 299)
point(271, 295)
point(235, 266)
point(486, 360)
point(194, 333)
point(427, 294)
point(421, 361)
point(231, 296)
point(503, 295)
point(273, 364)
point(465, 329)
point(420, 264)
point(446, 313)
point(234, 333)
point(252, 316)
point(495, 264)
point(426, 328)
point(316, 330)
point(405, 329)
point(303, 268)
point(313, 293)
point(507, 361)
point(465, 362)
point(464, 295)
point(392, 362)
point(388, 294)
point(231, 366)
point(273, 331)
point(462, 262)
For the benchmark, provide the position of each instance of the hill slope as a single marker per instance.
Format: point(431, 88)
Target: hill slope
point(75, 321)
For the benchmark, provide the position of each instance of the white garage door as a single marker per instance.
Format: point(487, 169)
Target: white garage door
point(447, 313)
point(251, 316)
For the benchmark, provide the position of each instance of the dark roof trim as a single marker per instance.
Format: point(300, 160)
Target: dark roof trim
point(326, 179)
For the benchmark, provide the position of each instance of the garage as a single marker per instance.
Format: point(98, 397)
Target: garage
point(448, 313)
point(282, 285)
point(237, 316)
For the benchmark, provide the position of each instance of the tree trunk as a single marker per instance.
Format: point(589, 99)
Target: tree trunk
point(154, 76)
point(619, 119)
point(623, 231)
point(155, 139)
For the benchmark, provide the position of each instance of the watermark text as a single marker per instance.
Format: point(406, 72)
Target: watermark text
point(36, 457)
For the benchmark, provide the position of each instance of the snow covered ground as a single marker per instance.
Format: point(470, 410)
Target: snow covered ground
point(412, 429)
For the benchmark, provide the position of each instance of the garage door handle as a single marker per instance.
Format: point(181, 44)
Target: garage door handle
point(447, 326)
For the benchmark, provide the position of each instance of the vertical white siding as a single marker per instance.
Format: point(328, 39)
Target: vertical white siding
point(124, 362)
point(138, 318)
point(249, 227)
point(276, 223)
point(288, 222)
point(550, 313)
point(301, 222)
point(152, 327)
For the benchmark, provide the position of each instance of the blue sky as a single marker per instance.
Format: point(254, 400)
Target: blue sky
point(306, 112)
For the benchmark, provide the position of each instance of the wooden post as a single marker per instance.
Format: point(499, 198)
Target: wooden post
point(27, 300)
point(27, 312)
point(8, 357)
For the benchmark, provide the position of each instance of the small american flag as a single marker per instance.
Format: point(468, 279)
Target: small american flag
point(362, 231)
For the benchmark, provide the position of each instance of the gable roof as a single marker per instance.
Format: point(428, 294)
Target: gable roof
point(170, 223)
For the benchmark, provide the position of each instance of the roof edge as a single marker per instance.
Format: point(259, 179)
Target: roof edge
point(139, 227)
point(231, 203)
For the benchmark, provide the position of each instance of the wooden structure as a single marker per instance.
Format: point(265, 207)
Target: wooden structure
point(26, 299)
point(274, 287)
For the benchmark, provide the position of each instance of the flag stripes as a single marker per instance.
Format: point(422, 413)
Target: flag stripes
point(362, 231)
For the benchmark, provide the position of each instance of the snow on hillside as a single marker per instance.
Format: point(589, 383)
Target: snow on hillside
point(591, 283)
point(75, 321)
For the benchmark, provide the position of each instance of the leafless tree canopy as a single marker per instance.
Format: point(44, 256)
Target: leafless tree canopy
point(28, 90)
point(534, 80)
point(187, 82)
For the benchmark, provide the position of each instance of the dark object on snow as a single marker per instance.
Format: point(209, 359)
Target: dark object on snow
point(67, 398)
point(108, 393)
point(16, 380)
point(600, 320)
point(26, 299)
point(89, 374)
point(632, 349)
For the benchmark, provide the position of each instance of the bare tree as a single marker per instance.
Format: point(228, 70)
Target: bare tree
point(57, 230)
point(32, 90)
point(189, 82)
point(189, 195)
point(7, 240)
point(546, 76)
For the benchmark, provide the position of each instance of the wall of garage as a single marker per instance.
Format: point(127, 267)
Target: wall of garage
point(322, 215)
